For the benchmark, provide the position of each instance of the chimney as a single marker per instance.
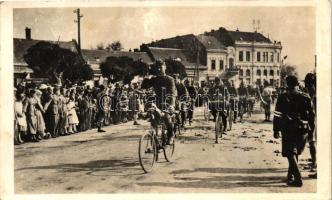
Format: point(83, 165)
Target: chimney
point(27, 33)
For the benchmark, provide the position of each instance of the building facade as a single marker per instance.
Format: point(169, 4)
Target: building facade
point(254, 57)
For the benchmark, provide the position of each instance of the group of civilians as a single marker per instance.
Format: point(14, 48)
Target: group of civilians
point(48, 111)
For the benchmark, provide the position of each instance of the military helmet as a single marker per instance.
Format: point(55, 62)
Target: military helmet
point(292, 81)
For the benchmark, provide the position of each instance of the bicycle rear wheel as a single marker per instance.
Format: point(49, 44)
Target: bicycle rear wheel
point(218, 127)
point(168, 149)
point(206, 114)
point(147, 152)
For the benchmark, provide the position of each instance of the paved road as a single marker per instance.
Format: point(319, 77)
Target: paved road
point(246, 160)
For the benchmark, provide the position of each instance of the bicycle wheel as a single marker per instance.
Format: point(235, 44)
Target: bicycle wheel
point(168, 149)
point(147, 152)
point(206, 114)
point(230, 119)
point(218, 127)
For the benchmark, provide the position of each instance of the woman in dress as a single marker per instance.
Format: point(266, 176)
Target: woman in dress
point(40, 119)
point(72, 116)
point(30, 111)
point(20, 120)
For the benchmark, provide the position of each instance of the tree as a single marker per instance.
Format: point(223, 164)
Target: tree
point(172, 67)
point(287, 70)
point(53, 62)
point(115, 46)
point(140, 68)
point(123, 69)
point(100, 46)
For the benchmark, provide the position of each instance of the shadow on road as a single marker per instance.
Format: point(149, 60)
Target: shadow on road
point(112, 167)
point(248, 178)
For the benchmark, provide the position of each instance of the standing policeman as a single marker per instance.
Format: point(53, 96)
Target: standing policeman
point(293, 118)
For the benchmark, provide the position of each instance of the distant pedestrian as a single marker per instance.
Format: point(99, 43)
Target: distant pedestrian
point(310, 86)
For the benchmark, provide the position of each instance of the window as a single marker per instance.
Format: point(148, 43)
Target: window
point(265, 72)
point(248, 72)
point(231, 63)
point(278, 72)
point(213, 65)
point(241, 72)
point(278, 57)
point(248, 56)
point(265, 57)
point(271, 57)
point(258, 56)
point(271, 72)
point(258, 72)
point(221, 64)
point(241, 56)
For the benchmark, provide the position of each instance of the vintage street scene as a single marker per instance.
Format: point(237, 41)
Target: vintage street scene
point(164, 100)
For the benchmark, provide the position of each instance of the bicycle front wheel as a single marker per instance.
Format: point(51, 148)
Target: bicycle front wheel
point(147, 152)
point(230, 119)
point(218, 127)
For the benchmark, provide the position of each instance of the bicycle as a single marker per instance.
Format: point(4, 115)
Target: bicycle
point(219, 123)
point(152, 143)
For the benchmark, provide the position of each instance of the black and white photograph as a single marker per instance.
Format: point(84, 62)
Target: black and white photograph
point(167, 98)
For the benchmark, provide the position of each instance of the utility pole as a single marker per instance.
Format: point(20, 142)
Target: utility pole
point(256, 26)
point(78, 21)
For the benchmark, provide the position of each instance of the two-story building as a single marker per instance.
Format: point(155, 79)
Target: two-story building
point(254, 57)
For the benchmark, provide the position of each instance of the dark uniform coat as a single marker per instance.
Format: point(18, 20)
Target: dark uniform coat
point(293, 118)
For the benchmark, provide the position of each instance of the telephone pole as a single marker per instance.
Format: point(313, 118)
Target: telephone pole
point(78, 21)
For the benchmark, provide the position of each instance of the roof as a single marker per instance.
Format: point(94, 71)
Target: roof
point(21, 47)
point(171, 53)
point(99, 56)
point(248, 36)
point(210, 42)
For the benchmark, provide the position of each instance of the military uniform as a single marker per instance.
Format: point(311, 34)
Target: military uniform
point(219, 104)
point(293, 118)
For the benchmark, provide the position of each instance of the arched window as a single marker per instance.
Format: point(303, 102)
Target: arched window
point(248, 72)
point(258, 72)
point(241, 72)
point(271, 72)
point(265, 72)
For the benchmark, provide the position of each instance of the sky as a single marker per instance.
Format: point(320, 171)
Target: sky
point(132, 26)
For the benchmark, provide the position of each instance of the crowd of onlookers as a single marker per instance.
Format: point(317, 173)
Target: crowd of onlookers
point(44, 111)
point(48, 111)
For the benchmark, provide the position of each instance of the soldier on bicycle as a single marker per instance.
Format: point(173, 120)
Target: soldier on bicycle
point(182, 99)
point(243, 96)
point(234, 99)
point(220, 97)
point(192, 94)
point(166, 93)
point(293, 117)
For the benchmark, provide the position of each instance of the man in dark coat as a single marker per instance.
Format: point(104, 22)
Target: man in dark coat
point(310, 86)
point(294, 119)
point(102, 107)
